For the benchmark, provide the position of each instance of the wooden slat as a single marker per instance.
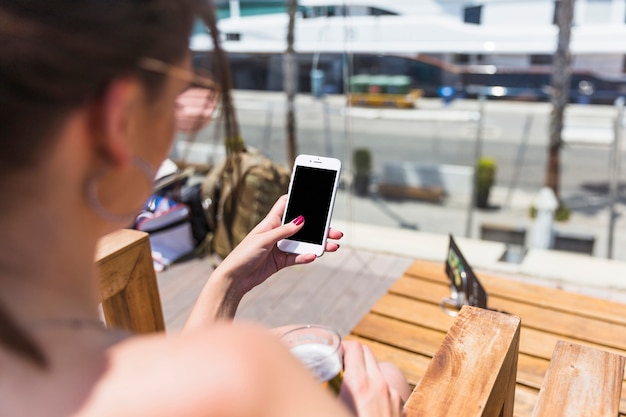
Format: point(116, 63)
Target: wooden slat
point(581, 382)
point(407, 191)
point(546, 297)
point(128, 286)
point(474, 371)
point(531, 370)
point(566, 325)
point(559, 322)
point(423, 309)
point(413, 311)
point(525, 400)
point(423, 341)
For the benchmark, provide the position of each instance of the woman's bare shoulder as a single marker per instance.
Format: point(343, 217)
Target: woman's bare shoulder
point(214, 371)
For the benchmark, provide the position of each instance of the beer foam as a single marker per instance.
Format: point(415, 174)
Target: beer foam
point(323, 360)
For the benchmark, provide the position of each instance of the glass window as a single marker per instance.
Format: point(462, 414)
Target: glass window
point(541, 59)
point(461, 58)
point(598, 12)
point(359, 11)
point(407, 90)
point(472, 14)
point(381, 12)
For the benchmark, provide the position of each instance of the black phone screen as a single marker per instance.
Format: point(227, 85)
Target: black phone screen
point(311, 195)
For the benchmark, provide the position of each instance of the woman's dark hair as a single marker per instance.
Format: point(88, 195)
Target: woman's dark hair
point(56, 55)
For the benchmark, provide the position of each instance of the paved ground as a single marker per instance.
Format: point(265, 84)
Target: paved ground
point(337, 289)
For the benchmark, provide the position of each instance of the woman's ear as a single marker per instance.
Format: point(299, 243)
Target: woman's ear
point(115, 120)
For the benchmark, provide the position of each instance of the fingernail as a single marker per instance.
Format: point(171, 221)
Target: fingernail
point(298, 220)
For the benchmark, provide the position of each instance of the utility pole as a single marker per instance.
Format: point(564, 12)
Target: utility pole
point(290, 85)
point(561, 76)
point(615, 173)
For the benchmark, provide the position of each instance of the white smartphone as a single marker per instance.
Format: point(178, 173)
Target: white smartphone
point(312, 192)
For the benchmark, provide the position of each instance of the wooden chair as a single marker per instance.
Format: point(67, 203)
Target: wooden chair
point(581, 381)
point(474, 371)
point(474, 374)
point(128, 287)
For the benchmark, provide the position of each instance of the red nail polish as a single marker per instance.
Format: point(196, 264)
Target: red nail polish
point(298, 220)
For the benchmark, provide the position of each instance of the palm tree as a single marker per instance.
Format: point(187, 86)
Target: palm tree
point(290, 84)
point(561, 75)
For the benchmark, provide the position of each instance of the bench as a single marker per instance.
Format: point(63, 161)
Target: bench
point(424, 181)
point(434, 194)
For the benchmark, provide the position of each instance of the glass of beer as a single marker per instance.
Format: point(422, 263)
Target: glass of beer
point(319, 349)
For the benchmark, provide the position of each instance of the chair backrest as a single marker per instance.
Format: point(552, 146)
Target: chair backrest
point(129, 292)
point(474, 371)
point(581, 381)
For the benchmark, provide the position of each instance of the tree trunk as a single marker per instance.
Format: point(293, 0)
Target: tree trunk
point(290, 85)
point(561, 75)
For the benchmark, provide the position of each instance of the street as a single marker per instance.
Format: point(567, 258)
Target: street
point(514, 134)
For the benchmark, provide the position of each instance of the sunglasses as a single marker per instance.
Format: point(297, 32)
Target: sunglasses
point(196, 104)
point(179, 73)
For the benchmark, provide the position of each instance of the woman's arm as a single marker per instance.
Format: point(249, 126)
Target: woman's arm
point(254, 260)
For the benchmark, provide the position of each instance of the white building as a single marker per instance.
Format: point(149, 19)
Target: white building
point(458, 36)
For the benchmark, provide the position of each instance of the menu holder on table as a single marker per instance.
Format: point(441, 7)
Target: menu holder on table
point(465, 287)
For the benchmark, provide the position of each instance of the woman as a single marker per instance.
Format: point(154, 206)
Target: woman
point(87, 92)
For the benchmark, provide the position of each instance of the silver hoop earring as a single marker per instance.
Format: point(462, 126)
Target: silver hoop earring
point(96, 204)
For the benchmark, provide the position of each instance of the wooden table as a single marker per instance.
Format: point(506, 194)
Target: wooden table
point(407, 326)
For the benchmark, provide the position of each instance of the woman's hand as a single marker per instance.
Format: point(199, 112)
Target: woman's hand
point(254, 260)
point(257, 257)
point(366, 390)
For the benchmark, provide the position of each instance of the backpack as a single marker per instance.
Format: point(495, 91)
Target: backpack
point(238, 193)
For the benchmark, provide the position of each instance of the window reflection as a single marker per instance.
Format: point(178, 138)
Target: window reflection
point(453, 53)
